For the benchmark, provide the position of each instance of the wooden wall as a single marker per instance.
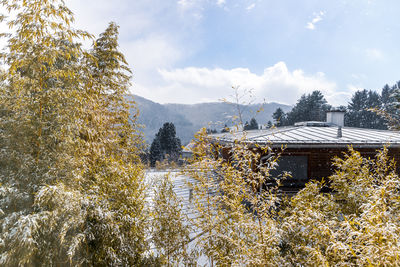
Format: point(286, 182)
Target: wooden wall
point(320, 160)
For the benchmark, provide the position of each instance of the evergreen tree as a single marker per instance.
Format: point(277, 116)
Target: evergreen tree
point(170, 144)
point(359, 115)
point(71, 182)
point(253, 125)
point(156, 153)
point(391, 104)
point(246, 126)
point(279, 117)
point(387, 94)
point(167, 136)
point(311, 107)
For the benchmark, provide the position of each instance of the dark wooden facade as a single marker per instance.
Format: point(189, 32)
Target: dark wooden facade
point(319, 161)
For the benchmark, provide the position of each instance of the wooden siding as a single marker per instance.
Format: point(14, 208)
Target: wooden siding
point(320, 160)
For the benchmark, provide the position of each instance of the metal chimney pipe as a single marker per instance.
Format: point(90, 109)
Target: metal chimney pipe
point(339, 132)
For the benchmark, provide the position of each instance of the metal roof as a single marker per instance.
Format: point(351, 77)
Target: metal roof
point(313, 136)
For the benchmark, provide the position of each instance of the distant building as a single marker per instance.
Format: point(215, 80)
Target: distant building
point(310, 146)
point(187, 151)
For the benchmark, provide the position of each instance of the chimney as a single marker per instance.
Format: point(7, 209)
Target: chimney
point(335, 117)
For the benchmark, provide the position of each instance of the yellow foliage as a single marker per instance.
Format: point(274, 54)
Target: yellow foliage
point(243, 224)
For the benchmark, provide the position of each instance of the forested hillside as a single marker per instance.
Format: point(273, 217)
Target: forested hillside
point(188, 119)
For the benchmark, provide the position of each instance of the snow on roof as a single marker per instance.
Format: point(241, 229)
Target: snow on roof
point(309, 135)
point(189, 147)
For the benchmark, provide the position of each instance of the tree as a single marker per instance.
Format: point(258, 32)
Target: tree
point(156, 153)
point(390, 105)
point(311, 107)
point(170, 231)
point(279, 117)
point(170, 144)
point(117, 169)
point(252, 126)
point(235, 213)
point(359, 113)
point(246, 126)
point(40, 81)
point(387, 94)
point(72, 186)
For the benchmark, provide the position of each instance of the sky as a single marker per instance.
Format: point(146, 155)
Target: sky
point(192, 51)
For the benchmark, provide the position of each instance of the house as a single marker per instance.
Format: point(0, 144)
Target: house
point(187, 151)
point(310, 146)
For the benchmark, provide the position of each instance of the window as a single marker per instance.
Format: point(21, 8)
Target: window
point(297, 166)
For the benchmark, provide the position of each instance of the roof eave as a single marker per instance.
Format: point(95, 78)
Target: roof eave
point(336, 145)
point(314, 145)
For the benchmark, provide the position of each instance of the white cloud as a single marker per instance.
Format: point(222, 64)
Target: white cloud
point(276, 83)
point(317, 18)
point(145, 56)
point(354, 88)
point(343, 98)
point(185, 4)
point(192, 8)
point(221, 2)
point(251, 6)
point(374, 54)
point(152, 35)
point(151, 52)
point(191, 5)
point(339, 98)
point(157, 38)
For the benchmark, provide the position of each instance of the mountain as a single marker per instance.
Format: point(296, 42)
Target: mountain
point(153, 115)
point(188, 119)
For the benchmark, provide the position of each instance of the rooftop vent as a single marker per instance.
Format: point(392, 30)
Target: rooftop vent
point(335, 117)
